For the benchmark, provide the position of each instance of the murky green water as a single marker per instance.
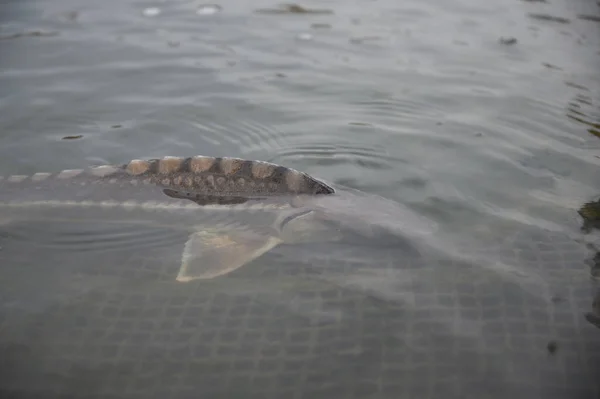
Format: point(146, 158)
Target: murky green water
point(470, 113)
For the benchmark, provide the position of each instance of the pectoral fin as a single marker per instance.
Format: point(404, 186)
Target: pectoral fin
point(211, 254)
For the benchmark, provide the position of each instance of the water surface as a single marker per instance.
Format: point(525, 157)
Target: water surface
point(483, 116)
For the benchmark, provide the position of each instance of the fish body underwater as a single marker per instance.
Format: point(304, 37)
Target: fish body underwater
point(211, 277)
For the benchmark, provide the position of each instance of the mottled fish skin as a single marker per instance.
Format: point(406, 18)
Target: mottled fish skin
point(206, 180)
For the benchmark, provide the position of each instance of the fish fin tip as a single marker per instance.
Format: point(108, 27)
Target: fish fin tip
point(209, 255)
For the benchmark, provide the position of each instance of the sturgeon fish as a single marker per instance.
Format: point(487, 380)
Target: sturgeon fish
point(263, 204)
point(365, 303)
point(170, 191)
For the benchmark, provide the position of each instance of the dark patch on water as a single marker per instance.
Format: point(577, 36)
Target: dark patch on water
point(292, 9)
point(71, 15)
point(35, 33)
point(577, 86)
point(581, 110)
point(552, 347)
point(508, 40)
point(594, 18)
point(551, 66)
point(550, 18)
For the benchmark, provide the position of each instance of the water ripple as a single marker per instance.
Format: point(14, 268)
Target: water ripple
point(335, 154)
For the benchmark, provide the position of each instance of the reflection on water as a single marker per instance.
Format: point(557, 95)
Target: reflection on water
point(581, 109)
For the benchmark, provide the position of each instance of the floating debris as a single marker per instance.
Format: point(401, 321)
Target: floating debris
point(508, 40)
point(73, 137)
point(151, 12)
point(208, 9)
point(292, 9)
point(594, 18)
point(116, 126)
point(590, 213)
point(35, 33)
point(535, 1)
point(546, 17)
